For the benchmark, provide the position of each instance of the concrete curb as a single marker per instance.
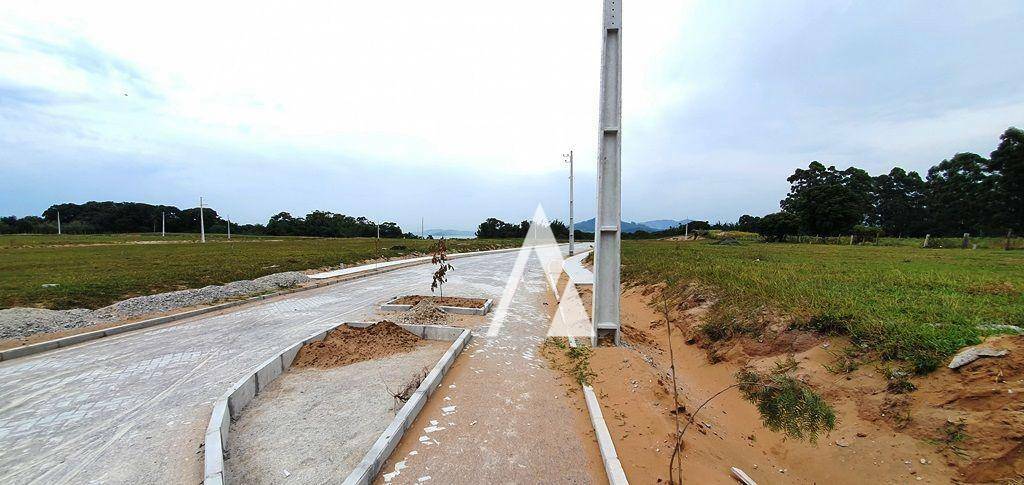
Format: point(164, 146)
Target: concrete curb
point(391, 306)
point(612, 465)
point(381, 450)
point(231, 404)
point(574, 268)
point(370, 270)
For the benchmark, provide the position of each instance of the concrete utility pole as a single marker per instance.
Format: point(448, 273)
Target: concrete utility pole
point(608, 230)
point(572, 225)
point(58, 223)
point(421, 228)
point(229, 228)
point(202, 227)
point(163, 225)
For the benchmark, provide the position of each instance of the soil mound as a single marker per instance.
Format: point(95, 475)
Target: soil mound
point(425, 313)
point(347, 345)
point(442, 301)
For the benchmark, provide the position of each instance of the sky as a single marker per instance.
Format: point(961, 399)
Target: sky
point(458, 110)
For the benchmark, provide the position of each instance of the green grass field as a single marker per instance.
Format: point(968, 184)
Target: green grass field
point(96, 270)
point(910, 304)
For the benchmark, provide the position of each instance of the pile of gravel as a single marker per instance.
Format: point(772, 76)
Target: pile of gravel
point(425, 312)
point(22, 322)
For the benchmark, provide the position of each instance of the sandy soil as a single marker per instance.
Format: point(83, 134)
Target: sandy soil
point(315, 425)
point(347, 345)
point(634, 386)
point(442, 301)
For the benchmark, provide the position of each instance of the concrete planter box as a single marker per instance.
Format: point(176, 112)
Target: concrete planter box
point(231, 404)
point(391, 306)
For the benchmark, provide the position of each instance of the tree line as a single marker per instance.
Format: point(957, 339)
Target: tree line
point(136, 217)
point(967, 193)
point(493, 228)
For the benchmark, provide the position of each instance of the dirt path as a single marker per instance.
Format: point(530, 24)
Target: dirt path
point(500, 415)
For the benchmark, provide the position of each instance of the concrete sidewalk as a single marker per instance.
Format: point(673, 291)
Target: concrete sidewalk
point(500, 416)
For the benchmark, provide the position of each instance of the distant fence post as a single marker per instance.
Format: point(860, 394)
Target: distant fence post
point(926, 238)
point(851, 239)
point(1009, 234)
point(966, 242)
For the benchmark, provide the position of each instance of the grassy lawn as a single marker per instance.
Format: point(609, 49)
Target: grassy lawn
point(96, 270)
point(907, 303)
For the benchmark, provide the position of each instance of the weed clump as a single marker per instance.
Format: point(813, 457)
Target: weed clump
point(786, 404)
point(898, 381)
point(578, 359)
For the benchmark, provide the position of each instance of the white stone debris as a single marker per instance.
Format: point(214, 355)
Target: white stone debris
point(971, 354)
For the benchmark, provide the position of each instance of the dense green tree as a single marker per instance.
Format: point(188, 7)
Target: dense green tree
point(1007, 165)
point(829, 201)
point(899, 203)
point(959, 196)
point(775, 227)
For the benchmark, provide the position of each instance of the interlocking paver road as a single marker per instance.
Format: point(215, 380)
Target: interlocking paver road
point(133, 407)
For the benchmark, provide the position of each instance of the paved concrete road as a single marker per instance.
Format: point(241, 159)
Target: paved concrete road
point(133, 407)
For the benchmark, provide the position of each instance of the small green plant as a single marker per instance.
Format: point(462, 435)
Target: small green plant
point(578, 364)
point(440, 258)
point(579, 358)
point(828, 323)
point(951, 435)
point(898, 380)
point(786, 404)
point(845, 361)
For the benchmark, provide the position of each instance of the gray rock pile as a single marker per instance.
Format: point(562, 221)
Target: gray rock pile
point(22, 322)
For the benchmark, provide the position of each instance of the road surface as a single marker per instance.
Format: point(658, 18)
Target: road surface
point(134, 407)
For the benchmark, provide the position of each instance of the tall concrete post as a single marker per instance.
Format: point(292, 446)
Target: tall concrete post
point(607, 231)
point(202, 227)
point(163, 225)
point(229, 228)
point(58, 223)
point(572, 224)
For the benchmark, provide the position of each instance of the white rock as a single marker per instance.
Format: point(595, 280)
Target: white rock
point(971, 354)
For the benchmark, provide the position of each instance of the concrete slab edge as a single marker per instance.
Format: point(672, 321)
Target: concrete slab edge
point(31, 349)
point(612, 465)
point(391, 306)
point(230, 405)
point(370, 466)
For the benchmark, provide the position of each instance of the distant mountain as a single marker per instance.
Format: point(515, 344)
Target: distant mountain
point(662, 224)
point(627, 227)
point(450, 233)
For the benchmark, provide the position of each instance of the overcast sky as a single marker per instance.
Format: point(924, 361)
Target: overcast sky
point(458, 110)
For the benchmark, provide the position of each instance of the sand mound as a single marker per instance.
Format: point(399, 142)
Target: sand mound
point(347, 345)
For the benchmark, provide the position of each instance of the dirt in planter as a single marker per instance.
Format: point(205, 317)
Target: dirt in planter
point(442, 301)
point(347, 345)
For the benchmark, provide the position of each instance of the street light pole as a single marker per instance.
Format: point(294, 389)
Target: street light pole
point(572, 225)
point(608, 230)
point(202, 226)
